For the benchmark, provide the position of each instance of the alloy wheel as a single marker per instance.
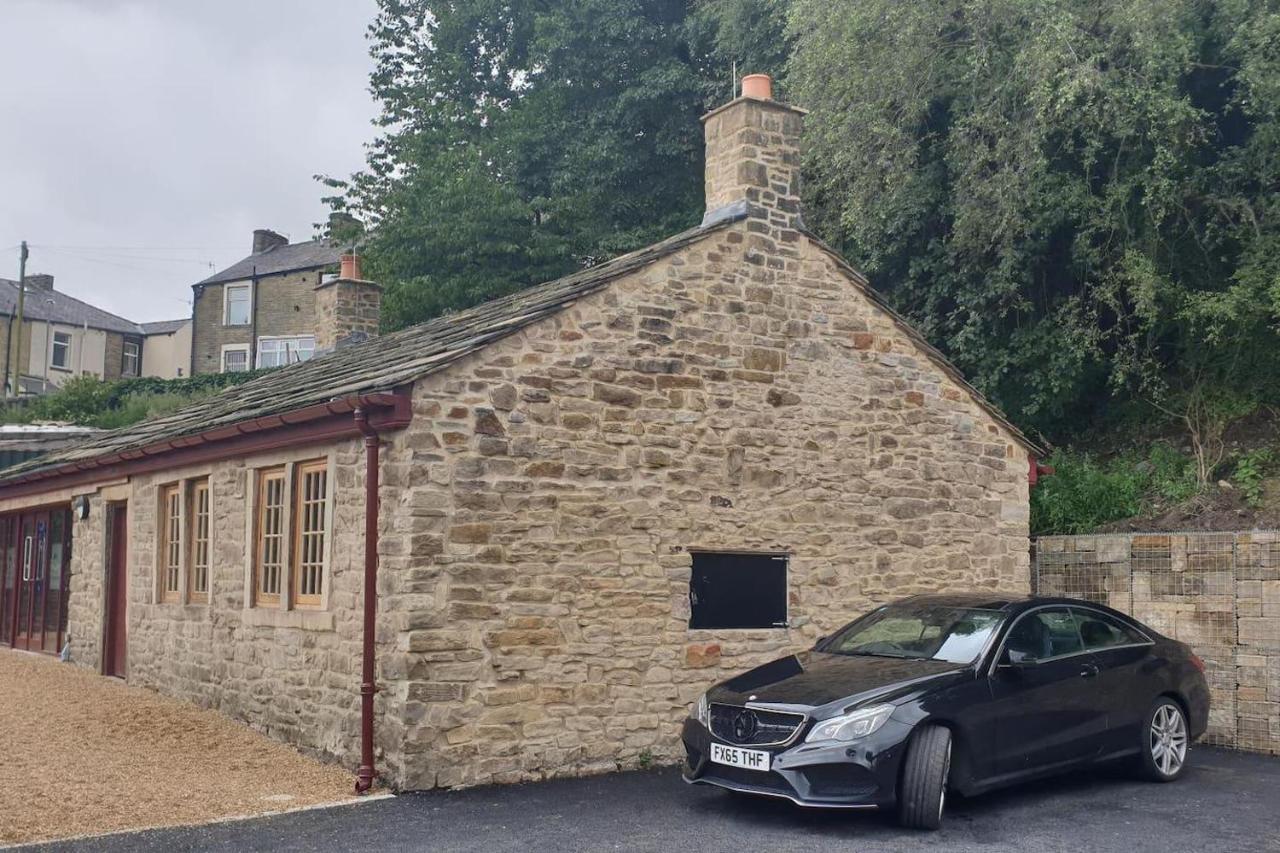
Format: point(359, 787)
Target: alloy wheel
point(1168, 739)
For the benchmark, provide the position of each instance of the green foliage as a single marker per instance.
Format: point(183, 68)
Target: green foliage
point(1077, 201)
point(1084, 492)
point(1251, 469)
point(524, 140)
point(88, 401)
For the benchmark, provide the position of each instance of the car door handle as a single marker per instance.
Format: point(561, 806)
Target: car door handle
point(1088, 671)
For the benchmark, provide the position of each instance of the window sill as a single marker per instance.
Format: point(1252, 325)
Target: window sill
point(60, 369)
point(306, 620)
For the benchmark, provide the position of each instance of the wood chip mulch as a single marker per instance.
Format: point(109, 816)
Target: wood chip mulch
point(81, 754)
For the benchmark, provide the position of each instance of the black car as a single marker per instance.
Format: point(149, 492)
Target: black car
point(951, 692)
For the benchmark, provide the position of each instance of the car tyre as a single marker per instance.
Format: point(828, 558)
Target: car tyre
point(922, 791)
point(1166, 741)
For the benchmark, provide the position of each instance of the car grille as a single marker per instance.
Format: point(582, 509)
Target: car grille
point(753, 726)
point(754, 779)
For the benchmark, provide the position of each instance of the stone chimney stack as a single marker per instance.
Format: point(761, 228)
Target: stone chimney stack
point(348, 308)
point(41, 281)
point(753, 157)
point(265, 238)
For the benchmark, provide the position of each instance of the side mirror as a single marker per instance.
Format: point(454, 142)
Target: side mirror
point(1014, 661)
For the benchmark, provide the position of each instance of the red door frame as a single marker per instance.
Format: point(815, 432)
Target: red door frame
point(115, 604)
point(41, 569)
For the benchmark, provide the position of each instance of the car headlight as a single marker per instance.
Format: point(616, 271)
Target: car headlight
point(852, 726)
point(702, 711)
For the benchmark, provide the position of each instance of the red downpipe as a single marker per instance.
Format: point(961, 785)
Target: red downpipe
point(366, 774)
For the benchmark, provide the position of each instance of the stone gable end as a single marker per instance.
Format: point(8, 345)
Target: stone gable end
point(732, 396)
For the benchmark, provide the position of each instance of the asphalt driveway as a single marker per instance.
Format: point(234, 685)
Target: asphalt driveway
point(1227, 801)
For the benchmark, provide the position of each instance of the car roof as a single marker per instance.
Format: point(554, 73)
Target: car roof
point(1011, 603)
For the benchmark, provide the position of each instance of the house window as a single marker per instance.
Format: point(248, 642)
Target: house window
point(170, 542)
point(235, 358)
point(236, 299)
point(269, 565)
point(132, 351)
point(277, 352)
point(738, 590)
point(308, 553)
point(198, 581)
point(61, 350)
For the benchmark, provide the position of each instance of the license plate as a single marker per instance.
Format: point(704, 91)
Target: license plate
point(749, 759)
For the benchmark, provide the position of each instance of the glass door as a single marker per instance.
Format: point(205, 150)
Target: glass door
point(24, 601)
point(8, 576)
point(56, 576)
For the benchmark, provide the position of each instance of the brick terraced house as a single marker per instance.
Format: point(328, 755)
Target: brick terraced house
point(592, 498)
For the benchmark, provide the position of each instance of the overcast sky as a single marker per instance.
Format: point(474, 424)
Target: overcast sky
point(142, 141)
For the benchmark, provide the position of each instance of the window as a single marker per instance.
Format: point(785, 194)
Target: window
point(738, 591)
point(277, 352)
point(61, 350)
point(308, 552)
point(236, 304)
point(1043, 634)
point(1100, 631)
point(954, 634)
point(235, 358)
point(132, 353)
point(170, 542)
point(270, 539)
point(198, 580)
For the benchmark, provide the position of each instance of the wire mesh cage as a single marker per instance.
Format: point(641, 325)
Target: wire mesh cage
point(1217, 592)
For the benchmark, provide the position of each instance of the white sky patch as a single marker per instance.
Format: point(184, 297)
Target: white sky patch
point(142, 141)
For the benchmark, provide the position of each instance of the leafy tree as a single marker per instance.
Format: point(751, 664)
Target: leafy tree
point(1077, 200)
point(524, 139)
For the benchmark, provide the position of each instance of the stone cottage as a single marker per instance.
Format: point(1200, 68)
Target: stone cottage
point(594, 497)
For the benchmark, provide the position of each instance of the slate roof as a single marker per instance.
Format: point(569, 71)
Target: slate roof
point(383, 363)
point(378, 364)
point(164, 327)
point(58, 307)
point(312, 254)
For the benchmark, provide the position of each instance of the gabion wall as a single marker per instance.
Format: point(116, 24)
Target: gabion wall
point(1217, 592)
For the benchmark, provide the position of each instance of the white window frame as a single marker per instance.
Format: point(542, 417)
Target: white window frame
point(136, 356)
point(287, 340)
point(66, 348)
point(247, 286)
point(226, 348)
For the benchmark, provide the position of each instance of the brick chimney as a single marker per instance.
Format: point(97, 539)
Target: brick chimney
point(265, 238)
point(753, 157)
point(348, 308)
point(41, 281)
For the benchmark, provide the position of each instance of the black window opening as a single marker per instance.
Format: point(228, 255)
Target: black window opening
point(738, 591)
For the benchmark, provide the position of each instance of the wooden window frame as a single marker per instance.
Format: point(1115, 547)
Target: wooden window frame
point(262, 577)
point(308, 579)
point(169, 551)
point(199, 541)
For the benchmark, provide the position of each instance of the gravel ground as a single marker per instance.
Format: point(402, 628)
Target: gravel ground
point(80, 753)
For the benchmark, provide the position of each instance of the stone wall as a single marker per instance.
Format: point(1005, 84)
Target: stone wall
point(285, 305)
point(294, 675)
point(551, 488)
point(345, 308)
point(1217, 592)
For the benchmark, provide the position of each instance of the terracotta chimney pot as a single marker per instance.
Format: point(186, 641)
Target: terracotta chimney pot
point(350, 268)
point(758, 86)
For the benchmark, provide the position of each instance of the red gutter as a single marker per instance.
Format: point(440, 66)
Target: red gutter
point(315, 424)
point(368, 686)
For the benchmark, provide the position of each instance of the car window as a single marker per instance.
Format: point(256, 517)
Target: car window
point(1100, 631)
point(953, 634)
point(1043, 634)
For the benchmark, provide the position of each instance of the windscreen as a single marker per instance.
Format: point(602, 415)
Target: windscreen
point(921, 632)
